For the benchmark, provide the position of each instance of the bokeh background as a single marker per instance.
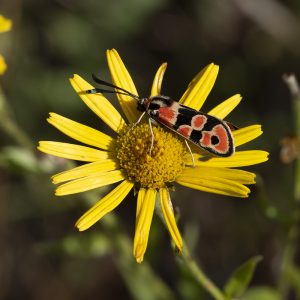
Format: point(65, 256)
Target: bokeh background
point(255, 42)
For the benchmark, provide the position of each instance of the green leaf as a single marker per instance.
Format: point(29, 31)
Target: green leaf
point(261, 293)
point(17, 158)
point(241, 277)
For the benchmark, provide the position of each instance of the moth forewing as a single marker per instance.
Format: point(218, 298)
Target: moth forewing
point(203, 130)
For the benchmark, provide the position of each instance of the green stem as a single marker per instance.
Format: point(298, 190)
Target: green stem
point(194, 267)
point(10, 127)
point(200, 276)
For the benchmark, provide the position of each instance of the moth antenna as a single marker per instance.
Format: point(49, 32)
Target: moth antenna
point(105, 83)
point(98, 90)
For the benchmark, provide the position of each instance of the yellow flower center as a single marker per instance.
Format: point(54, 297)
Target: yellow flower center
point(150, 170)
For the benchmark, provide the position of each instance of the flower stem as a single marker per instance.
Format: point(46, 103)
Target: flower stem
point(193, 266)
point(199, 275)
point(293, 86)
point(289, 251)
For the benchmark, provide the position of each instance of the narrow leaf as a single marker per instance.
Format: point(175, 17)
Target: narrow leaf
point(261, 293)
point(241, 277)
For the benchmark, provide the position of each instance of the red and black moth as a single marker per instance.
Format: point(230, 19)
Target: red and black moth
point(203, 130)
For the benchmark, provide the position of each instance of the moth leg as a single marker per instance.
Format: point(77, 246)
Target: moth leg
point(152, 135)
point(137, 122)
point(191, 153)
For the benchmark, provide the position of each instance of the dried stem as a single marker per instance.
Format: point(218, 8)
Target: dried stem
point(290, 247)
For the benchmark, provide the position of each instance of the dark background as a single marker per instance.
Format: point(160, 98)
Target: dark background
point(254, 42)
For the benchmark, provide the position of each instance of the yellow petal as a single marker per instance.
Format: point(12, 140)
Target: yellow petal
point(3, 65)
point(88, 183)
point(140, 199)
point(215, 185)
point(246, 134)
point(71, 151)
point(104, 206)
point(226, 107)
point(5, 24)
point(200, 87)
point(80, 132)
point(157, 82)
point(239, 159)
point(121, 78)
point(167, 209)
point(143, 223)
point(98, 104)
point(199, 173)
point(90, 169)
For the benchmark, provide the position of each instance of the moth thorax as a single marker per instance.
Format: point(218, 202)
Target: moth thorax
point(142, 104)
point(158, 102)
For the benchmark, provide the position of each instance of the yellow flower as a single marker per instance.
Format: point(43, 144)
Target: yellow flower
point(5, 25)
point(126, 158)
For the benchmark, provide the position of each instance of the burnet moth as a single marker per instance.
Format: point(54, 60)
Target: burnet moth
point(203, 130)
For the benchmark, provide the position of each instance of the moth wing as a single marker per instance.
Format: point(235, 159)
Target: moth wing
point(205, 131)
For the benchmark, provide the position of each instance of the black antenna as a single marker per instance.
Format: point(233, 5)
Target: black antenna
point(98, 90)
point(105, 83)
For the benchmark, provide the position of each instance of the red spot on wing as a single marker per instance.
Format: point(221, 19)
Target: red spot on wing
point(167, 115)
point(185, 130)
point(220, 132)
point(206, 139)
point(198, 122)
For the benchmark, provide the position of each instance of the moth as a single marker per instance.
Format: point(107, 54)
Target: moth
point(203, 130)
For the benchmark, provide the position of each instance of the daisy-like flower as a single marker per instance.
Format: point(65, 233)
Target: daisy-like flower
point(126, 157)
point(5, 25)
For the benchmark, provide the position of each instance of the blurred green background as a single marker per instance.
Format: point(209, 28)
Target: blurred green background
point(255, 42)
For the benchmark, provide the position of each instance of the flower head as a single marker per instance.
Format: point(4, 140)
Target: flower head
point(126, 158)
point(5, 25)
